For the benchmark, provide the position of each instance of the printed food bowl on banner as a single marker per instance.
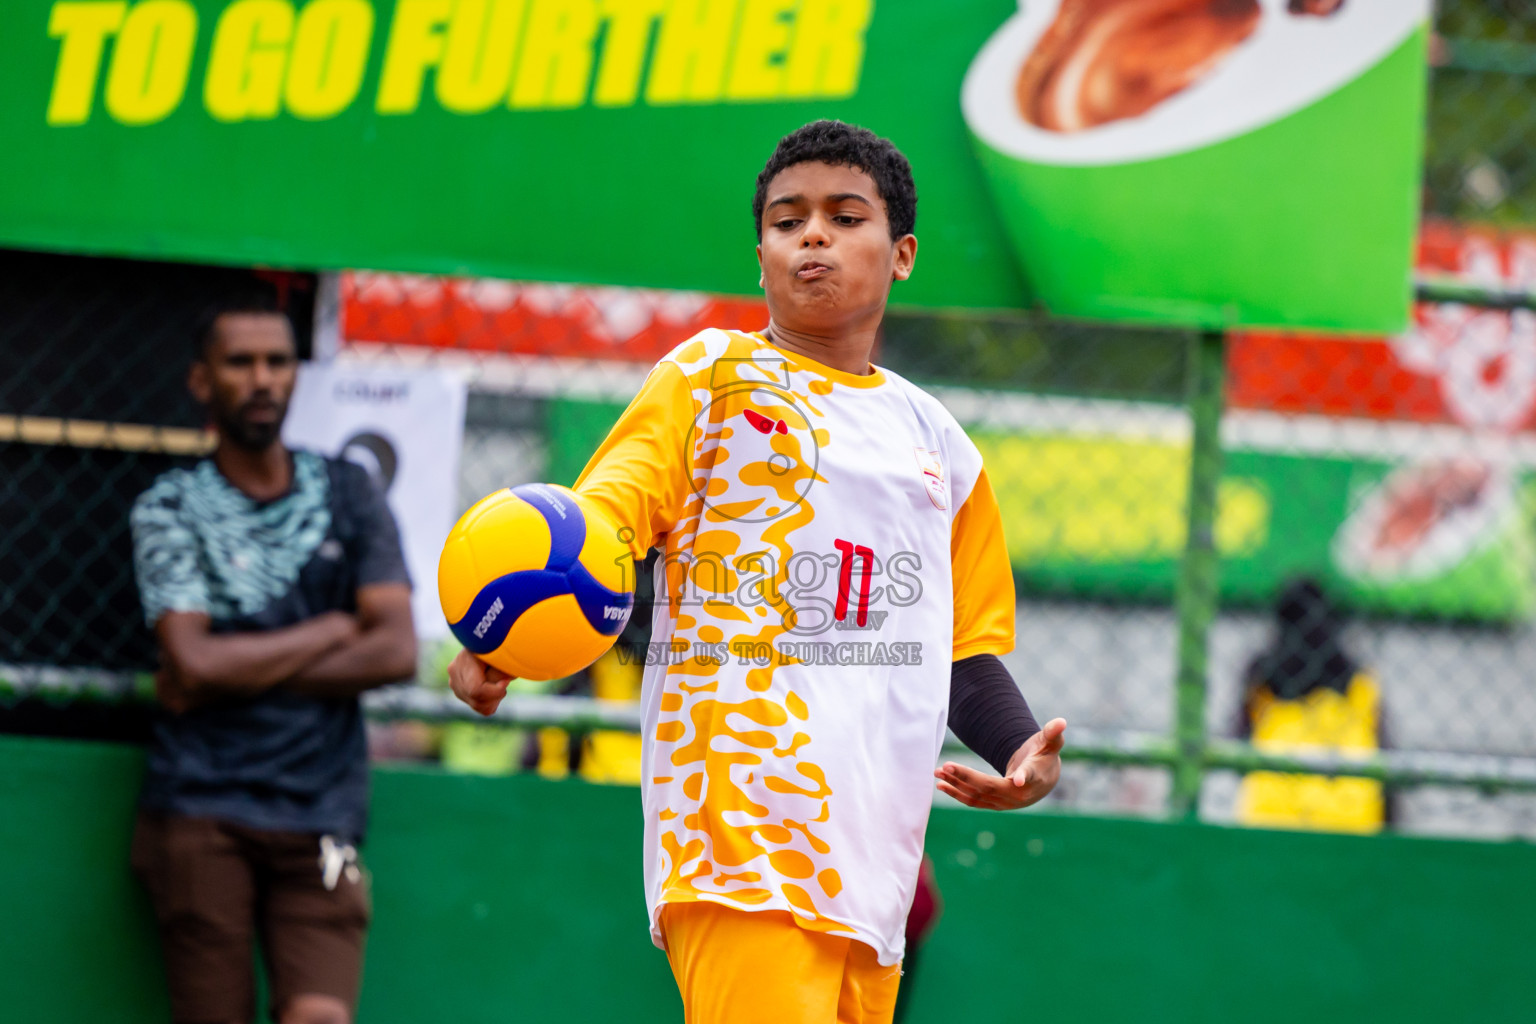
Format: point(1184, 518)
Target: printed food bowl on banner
point(1208, 161)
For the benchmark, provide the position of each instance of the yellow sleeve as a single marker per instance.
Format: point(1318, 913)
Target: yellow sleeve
point(983, 576)
point(639, 474)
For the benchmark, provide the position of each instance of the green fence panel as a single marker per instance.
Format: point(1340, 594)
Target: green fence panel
point(1081, 919)
point(518, 899)
point(500, 900)
point(76, 940)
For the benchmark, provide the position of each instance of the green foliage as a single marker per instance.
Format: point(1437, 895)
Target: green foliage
point(1036, 354)
point(1480, 160)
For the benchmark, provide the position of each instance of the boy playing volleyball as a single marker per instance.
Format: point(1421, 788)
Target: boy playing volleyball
point(834, 586)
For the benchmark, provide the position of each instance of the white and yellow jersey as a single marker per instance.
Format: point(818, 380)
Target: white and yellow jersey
point(830, 544)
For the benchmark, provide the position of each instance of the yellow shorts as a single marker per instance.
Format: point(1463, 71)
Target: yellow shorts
point(759, 967)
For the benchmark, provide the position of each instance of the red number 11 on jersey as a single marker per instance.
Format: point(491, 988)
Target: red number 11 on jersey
point(850, 552)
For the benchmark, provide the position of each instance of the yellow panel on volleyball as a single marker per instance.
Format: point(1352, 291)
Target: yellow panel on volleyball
point(604, 554)
point(548, 641)
point(464, 567)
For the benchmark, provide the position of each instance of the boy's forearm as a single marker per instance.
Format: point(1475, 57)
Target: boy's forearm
point(987, 711)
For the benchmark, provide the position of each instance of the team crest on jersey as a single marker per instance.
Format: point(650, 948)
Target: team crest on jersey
point(933, 476)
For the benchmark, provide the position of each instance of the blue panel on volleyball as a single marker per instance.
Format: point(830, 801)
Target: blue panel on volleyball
point(605, 611)
point(567, 525)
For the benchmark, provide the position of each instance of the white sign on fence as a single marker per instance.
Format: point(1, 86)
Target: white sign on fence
point(405, 426)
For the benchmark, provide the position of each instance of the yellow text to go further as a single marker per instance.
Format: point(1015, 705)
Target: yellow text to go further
point(310, 60)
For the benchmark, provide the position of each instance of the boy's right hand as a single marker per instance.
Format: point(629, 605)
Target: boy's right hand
point(477, 684)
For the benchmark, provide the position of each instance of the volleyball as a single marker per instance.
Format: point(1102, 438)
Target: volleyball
point(535, 581)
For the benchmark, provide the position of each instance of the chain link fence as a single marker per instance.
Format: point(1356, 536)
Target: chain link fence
point(93, 405)
point(1395, 473)
point(1087, 439)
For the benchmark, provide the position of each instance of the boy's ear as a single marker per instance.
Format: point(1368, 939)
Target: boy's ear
point(906, 257)
point(760, 265)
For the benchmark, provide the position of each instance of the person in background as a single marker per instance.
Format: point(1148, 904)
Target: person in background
point(1305, 694)
point(277, 591)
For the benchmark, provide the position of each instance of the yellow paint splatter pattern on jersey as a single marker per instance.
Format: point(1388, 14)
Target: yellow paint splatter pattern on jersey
point(732, 750)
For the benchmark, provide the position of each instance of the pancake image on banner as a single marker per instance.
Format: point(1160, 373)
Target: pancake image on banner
point(1207, 162)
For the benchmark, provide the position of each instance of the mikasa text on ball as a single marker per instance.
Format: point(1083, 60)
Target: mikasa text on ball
point(535, 581)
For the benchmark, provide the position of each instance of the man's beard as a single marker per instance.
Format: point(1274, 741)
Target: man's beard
point(251, 435)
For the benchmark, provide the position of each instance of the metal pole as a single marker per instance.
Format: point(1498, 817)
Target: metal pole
point(1200, 570)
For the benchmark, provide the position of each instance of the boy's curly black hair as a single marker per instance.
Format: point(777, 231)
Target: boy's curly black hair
point(846, 145)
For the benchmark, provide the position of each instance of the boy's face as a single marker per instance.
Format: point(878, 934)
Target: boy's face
point(827, 256)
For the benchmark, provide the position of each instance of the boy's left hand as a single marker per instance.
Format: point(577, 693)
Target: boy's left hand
point(1032, 773)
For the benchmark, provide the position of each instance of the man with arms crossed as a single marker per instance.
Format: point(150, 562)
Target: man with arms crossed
point(830, 526)
point(276, 588)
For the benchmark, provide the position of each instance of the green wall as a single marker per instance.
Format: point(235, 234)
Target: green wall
point(518, 899)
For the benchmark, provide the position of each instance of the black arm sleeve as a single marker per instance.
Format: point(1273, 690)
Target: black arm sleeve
point(987, 711)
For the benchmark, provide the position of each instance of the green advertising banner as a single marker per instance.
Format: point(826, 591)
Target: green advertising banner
point(1216, 163)
point(1103, 516)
